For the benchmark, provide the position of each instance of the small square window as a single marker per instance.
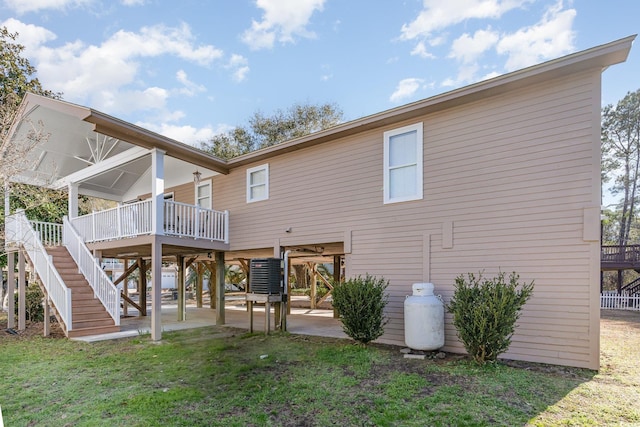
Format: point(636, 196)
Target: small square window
point(258, 183)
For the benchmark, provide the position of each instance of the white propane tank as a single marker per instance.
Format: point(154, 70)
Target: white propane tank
point(423, 318)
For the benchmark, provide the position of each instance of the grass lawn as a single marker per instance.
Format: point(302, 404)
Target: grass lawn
point(219, 376)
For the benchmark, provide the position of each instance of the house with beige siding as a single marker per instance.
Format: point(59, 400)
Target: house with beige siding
point(501, 175)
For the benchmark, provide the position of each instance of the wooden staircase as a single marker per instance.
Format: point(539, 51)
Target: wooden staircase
point(88, 314)
point(632, 288)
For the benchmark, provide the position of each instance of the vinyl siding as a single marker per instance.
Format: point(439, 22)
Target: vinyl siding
point(514, 173)
point(184, 193)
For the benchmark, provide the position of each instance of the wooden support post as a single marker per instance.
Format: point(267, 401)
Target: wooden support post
point(125, 290)
point(247, 287)
point(47, 316)
point(156, 290)
point(277, 314)
point(22, 292)
point(620, 276)
point(142, 286)
point(313, 270)
point(182, 293)
point(11, 290)
point(211, 266)
point(199, 283)
point(219, 288)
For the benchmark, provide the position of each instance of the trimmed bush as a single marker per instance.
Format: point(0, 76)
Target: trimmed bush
point(34, 310)
point(360, 303)
point(485, 312)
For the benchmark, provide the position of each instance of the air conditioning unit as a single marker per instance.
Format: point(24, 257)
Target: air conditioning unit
point(265, 276)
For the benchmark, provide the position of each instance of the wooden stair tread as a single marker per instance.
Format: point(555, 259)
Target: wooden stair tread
point(83, 332)
point(89, 315)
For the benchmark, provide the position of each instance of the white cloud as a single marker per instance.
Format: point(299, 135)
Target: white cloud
point(467, 49)
point(132, 2)
point(187, 134)
point(189, 88)
point(551, 37)
point(159, 40)
point(406, 88)
point(421, 51)
point(24, 6)
point(107, 76)
point(240, 67)
point(281, 21)
point(126, 101)
point(466, 74)
point(439, 14)
point(31, 36)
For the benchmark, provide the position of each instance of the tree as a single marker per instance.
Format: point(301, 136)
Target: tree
point(264, 131)
point(17, 77)
point(621, 158)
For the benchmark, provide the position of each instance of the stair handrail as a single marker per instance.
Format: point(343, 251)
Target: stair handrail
point(632, 287)
point(19, 230)
point(102, 286)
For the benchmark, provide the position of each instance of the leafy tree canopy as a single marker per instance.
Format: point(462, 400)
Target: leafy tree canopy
point(266, 130)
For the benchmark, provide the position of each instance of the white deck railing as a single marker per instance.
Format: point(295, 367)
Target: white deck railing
point(193, 221)
point(134, 219)
point(50, 233)
point(89, 266)
point(130, 220)
point(619, 302)
point(19, 231)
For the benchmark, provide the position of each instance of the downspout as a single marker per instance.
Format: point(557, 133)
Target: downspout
point(285, 288)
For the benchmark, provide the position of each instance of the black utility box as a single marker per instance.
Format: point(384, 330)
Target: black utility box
point(265, 275)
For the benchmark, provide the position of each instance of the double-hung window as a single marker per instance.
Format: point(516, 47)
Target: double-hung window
point(403, 164)
point(203, 194)
point(258, 183)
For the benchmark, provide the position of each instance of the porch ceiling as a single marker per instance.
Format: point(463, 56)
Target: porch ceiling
point(56, 143)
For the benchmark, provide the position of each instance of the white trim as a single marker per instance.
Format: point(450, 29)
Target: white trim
point(101, 167)
point(204, 183)
point(250, 172)
point(417, 128)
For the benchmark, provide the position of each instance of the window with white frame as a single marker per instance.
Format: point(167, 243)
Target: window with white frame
point(258, 183)
point(203, 194)
point(403, 164)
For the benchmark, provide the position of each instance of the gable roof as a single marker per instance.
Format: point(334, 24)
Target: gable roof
point(104, 155)
point(73, 143)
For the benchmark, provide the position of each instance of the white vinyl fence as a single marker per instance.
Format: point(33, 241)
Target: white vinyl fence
point(619, 302)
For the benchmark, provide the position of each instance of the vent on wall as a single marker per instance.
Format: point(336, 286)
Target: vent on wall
point(265, 275)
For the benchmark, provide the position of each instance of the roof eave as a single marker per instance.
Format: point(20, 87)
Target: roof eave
point(116, 128)
point(597, 57)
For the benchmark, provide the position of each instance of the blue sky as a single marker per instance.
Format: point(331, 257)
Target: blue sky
point(191, 68)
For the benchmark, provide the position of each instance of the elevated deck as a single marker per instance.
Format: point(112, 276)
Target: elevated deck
point(613, 257)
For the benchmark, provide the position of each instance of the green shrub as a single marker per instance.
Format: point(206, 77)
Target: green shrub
point(34, 311)
point(360, 303)
point(485, 313)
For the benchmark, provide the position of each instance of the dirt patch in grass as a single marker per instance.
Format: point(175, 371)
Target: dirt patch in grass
point(32, 329)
